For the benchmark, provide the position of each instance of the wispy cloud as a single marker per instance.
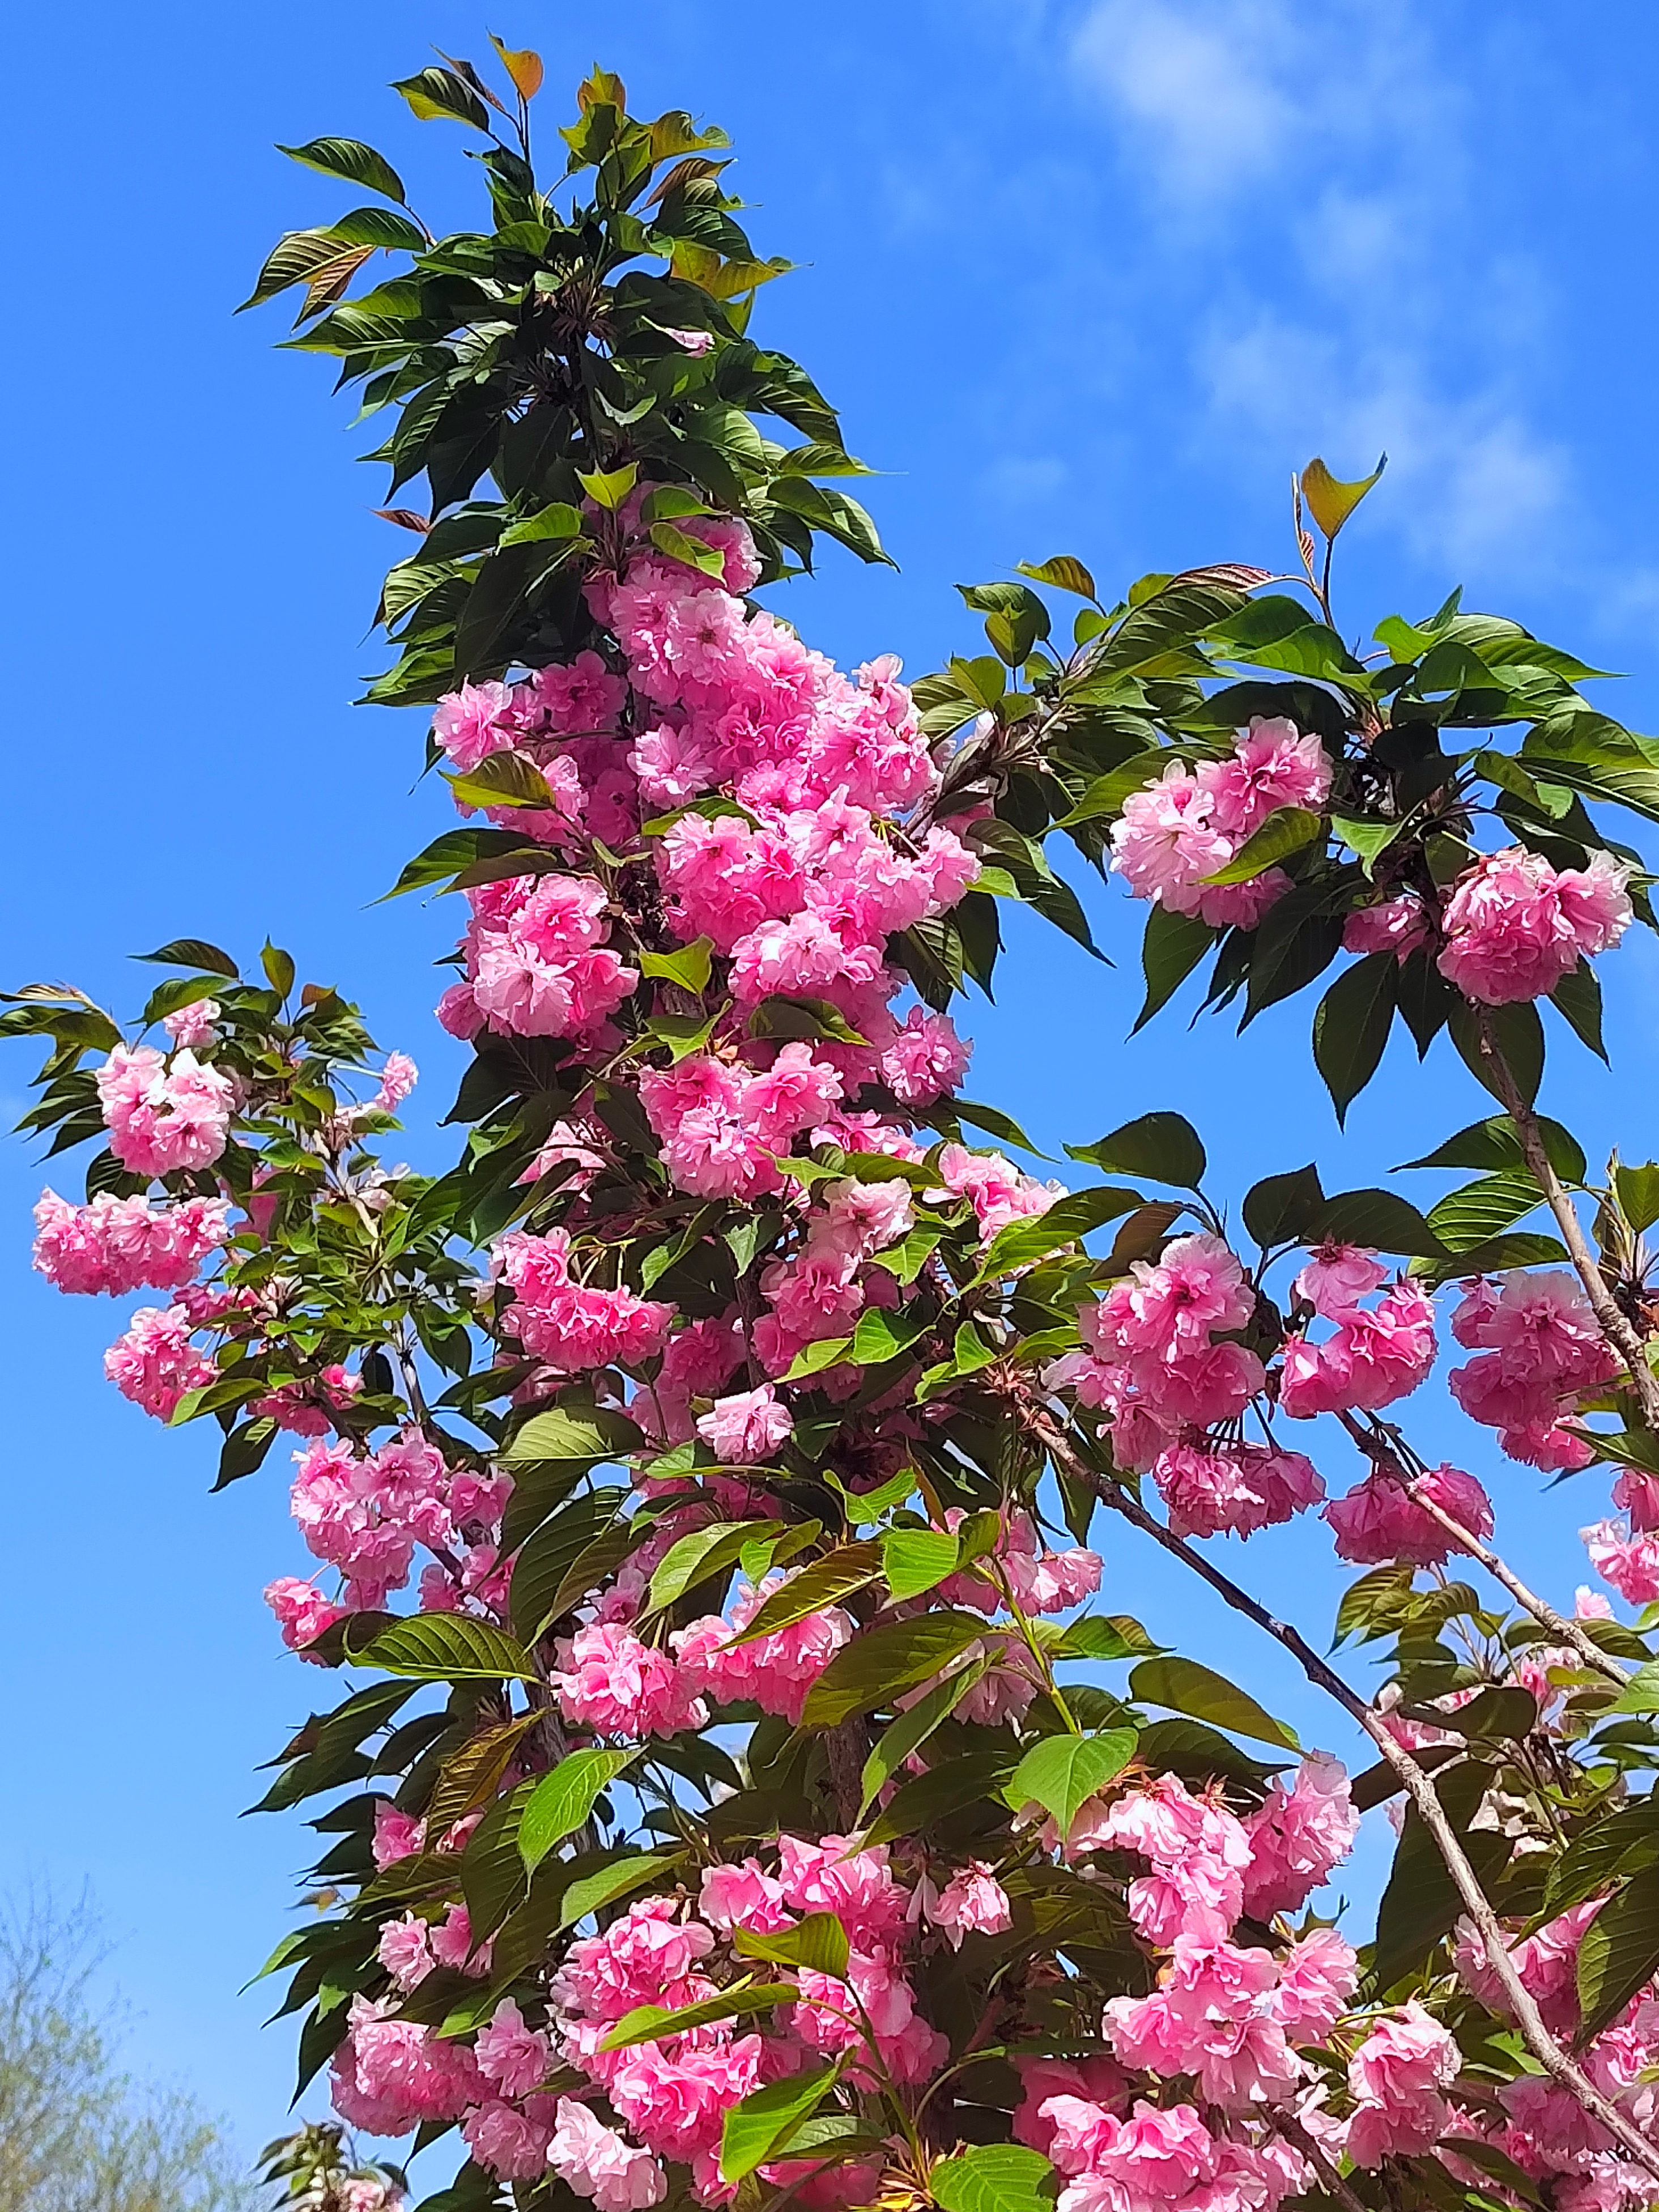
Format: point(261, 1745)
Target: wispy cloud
point(1307, 166)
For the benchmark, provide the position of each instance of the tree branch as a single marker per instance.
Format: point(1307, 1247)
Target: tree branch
point(1386, 1459)
point(1555, 2062)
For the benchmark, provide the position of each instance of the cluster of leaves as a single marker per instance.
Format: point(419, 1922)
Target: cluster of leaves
point(1455, 720)
point(537, 364)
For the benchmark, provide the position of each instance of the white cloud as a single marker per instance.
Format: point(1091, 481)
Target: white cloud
point(1195, 85)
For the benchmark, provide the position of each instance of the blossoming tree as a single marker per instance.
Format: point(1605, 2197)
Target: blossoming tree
point(759, 1798)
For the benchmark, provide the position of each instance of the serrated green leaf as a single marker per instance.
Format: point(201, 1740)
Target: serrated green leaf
point(562, 1799)
point(1062, 1773)
point(1187, 1688)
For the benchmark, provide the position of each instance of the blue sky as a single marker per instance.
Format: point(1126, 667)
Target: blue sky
point(1091, 277)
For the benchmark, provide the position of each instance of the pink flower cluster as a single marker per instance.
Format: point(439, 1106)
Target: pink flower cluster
point(535, 962)
point(365, 1515)
point(121, 1244)
point(1162, 1359)
point(775, 1671)
point(1039, 1580)
point(1397, 924)
point(1515, 925)
point(1373, 1356)
point(155, 1361)
point(1396, 2078)
point(673, 2094)
point(164, 1114)
point(1163, 2158)
point(1378, 1520)
point(820, 1289)
point(796, 885)
point(1540, 1349)
point(565, 1322)
point(1188, 824)
point(1626, 1557)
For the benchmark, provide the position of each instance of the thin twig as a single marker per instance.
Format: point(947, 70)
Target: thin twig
point(1555, 2062)
point(1299, 2139)
point(1383, 1456)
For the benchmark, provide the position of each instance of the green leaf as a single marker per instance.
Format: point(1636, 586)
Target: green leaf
point(610, 1882)
point(1641, 1693)
point(439, 95)
point(609, 489)
point(912, 1728)
point(1171, 947)
point(1351, 1028)
point(1638, 1194)
point(1063, 572)
point(826, 1582)
point(813, 1358)
point(649, 2023)
point(995, 1123)
point(1496, 1144)
point(680, 545)
point(1186, 1687)
point(1113, 1635)
point(881, 1660)
point(1284, 832)
point(1380, 1219)
point(916, 1559)
point(688, 965)
point(456, 850)
point(764, 2123)
point(818, 1942)
point(1366, 838)
point(1518, 1035)
point(378, 226)
point(917, 1806)
point(562, 1799)
point(994, 2178)
point(1285, 1209)
point(1467, 1219)
point(556, 519)
point(1329, 500)
point(191, 952)
point(350, 158)
point(1062, 1773)
point(880, 1336)
point(448, 1647)
point(702, 1555)
point(595, 1434)
point(1024, 1241)
point(1165, 1146)
point(1620, 1951)
point(1577, 999)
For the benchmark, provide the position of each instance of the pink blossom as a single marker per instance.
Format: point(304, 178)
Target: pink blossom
point(1397, 924)
point(775, 1671)
point(405, 1951)
point(1396, 2076)
point(512, 2057)
point(1515, 929)
point(162, 1115)
point(747, 1427)
point(473, 722)
point(1337, 1277)
point(302, 1612)
point(507, 2141)
point(1547, 1963)
point(121, 1244)
point(1377, 1522)
point(1240, 1488)
point(1273, 765)
point(397, 1835)
point(1298, 1837)
point(155, 1363)
point(997, 1190)
point(972, 1902)
point(1629, 1564)
point(453, 1945)
point(742, 1896)
point(598, 2161)
point(833, 1875)
point(193, 1026)
point(1372, 1357)
point(1540, 1349)
point(397, 1078)
point(1093, 2081)
point(390, 2073)
point(564, 1322)
point(926, 1059)
point(611, 1681)
point(1212, 2018)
